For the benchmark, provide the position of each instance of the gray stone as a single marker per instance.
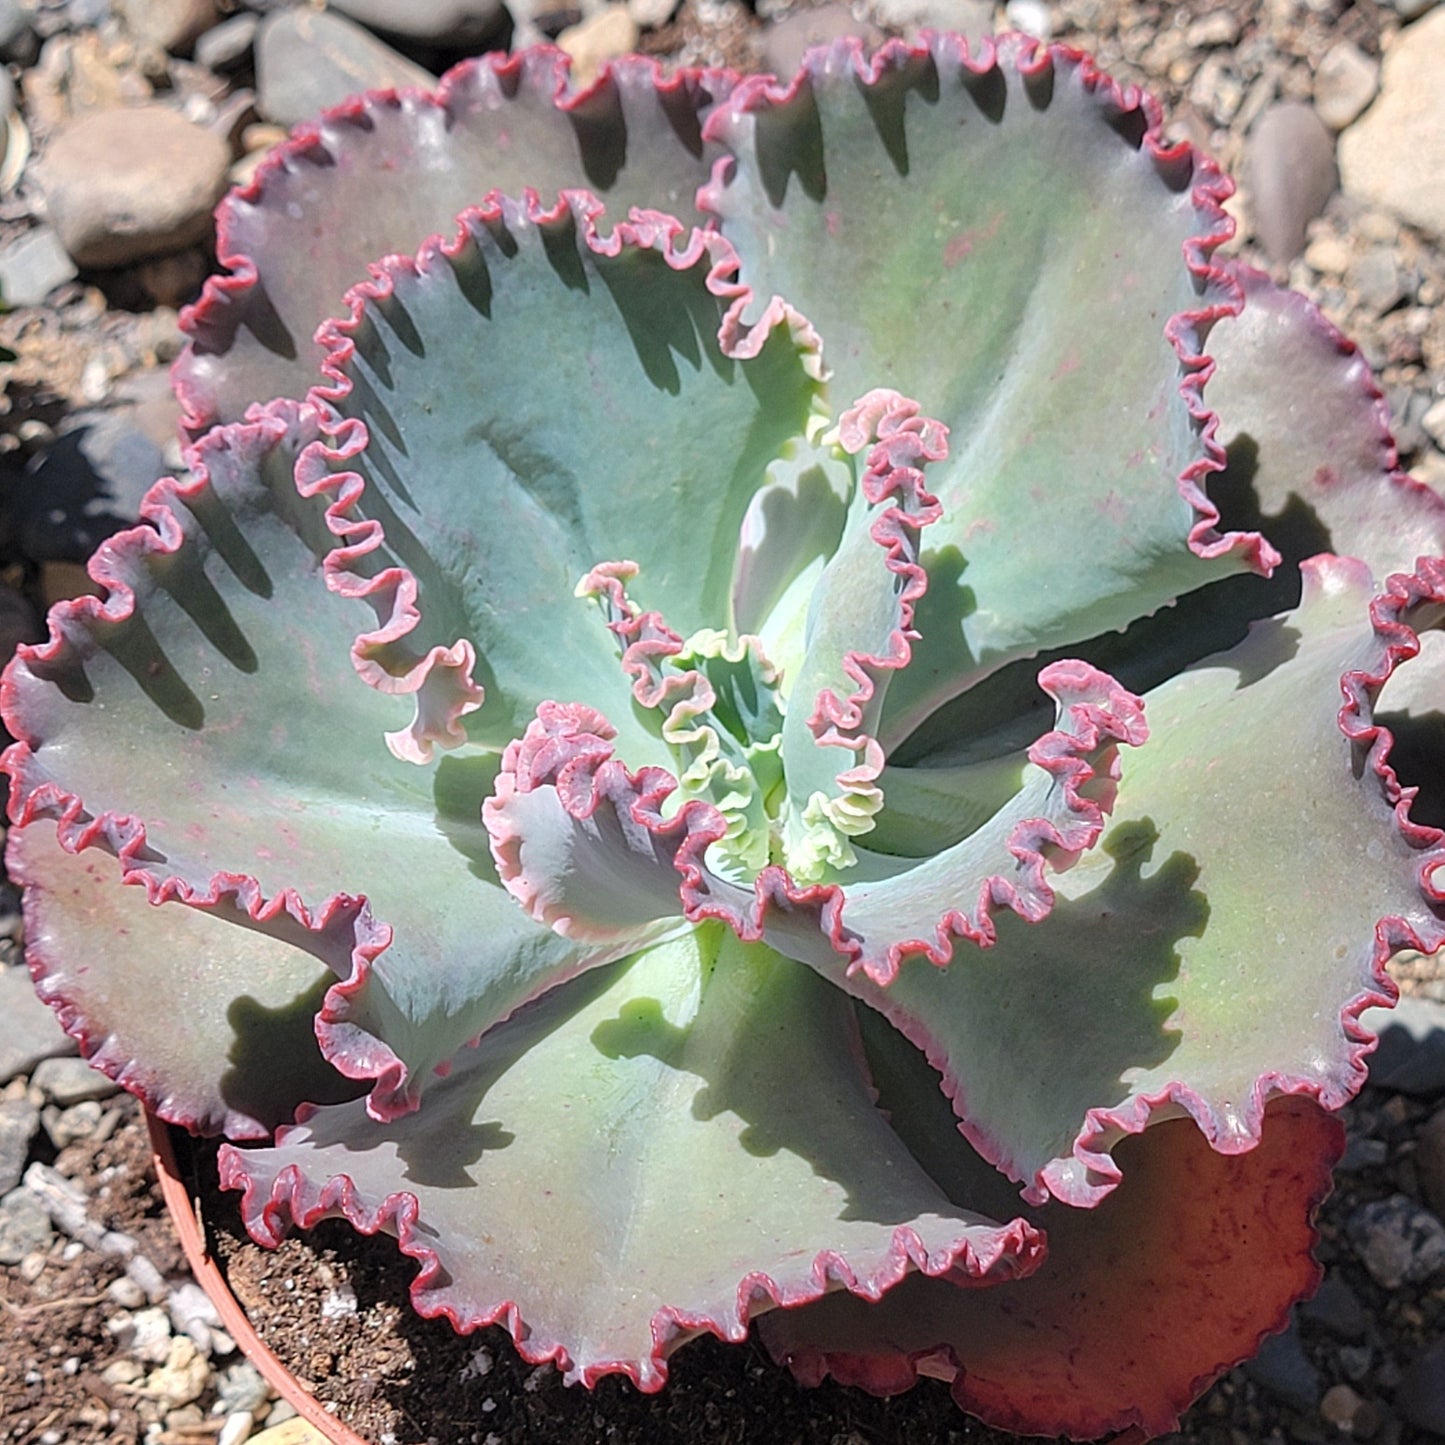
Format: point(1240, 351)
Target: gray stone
point(1410, 1058)
point(307, 60)
point(1420, 1397)
point(1363, 1154)
point(240, 1387)
point(170, 24)
point(973, 19)
point(121, 185)
point(784, 44)
point(1336, 1309)
point(19, 622)
point(33, 265)
point(1377, 280)
point(1289, 169)
point(452, 23)
point(65, 1126)
point(1412, 9)
point(1283, 1369)
point(226, 46)
point(1394, 155)
point(19, 1120)
point(1430, 1161)
point(71, 1081)
point(1397, 1240)
point(1346, 81)
point(25, 1227)
point(85, 486)
point(31, 1031)
point(18, 41)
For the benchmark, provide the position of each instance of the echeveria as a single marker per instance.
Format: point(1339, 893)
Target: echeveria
point(727, 706)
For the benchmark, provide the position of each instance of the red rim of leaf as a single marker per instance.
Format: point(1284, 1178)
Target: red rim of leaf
point(1017, 1250)
point(1185, 331)
point(212, 321)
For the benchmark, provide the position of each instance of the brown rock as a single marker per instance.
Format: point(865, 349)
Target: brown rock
point(610, 33)
point(125, 184)
point(170, 24)
point(1289, 169)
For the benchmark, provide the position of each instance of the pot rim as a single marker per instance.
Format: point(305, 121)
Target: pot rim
point(180, 1204)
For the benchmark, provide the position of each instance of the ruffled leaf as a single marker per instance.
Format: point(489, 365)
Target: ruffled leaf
point(1334, 473)
point(655, 1151)
point(501, 466)
point(595, 851)
point(234, 1048)
point(204, 723)
point(1258, 822)
point(1140, 1303)
point(379, 174)
point(1007, 239)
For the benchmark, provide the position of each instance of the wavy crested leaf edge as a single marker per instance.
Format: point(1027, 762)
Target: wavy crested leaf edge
point(1102, 1128)
point(568, 747)
point(212, 321)
point(1309, 317)
point(340, 930)
point(1017, 1251)
point(441, 680)
point(1186, 331)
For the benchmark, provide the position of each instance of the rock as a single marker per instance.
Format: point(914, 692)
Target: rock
point(169, 24)
point(605, 36)
point(227, 46)
point(1394, 155)
point(1217, 27)
point(65, 1126)
point(1412, 9)
point(1289, 169)
point(1420, 1397)
point(18, 41)
point(32, 266)
point(182, 1378)
point(71, 1081)
point(651, 14)
point(1328, 255)
point(240, 1387)
point(19, 1121)
point(1343, 1408)
point(138, 181)
point(1410, 1058)
point(1346, 81)
point(1282, 1368)
point(1336, 1309)
point(1376, 280)
point(307, 60)
point(784, 44)
point(1397, 1240)
point(455, 24)
point(1029, 16)
point(19, 623)
point(1432, 422)
point(973, 19)
point(25, 1227)
point(1430, 1161)
point(237, 1428)
point(193, 1315)
point(31, 1031)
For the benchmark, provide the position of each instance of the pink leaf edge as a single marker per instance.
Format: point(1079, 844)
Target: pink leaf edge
point(1178, 162)
point(1015, 1251)
point(568, 747)
point(441, 679)
point(493, 81)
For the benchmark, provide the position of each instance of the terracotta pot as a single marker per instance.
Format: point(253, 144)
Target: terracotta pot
point(181, 1204)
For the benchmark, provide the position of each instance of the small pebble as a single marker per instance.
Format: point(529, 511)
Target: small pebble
point(1289, 166)
point(25, 1227)
point(604, 36)
point(1346, 81)
point(1029, 16)
point(72, 1081)
point(1397, 1240)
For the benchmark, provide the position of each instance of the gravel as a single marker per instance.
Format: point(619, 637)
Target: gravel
point(103, 1336)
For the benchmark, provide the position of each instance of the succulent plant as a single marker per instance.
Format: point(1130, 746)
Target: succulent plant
point(811, 658)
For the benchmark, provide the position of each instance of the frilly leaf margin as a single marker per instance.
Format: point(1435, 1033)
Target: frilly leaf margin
point(293, 1201)
point(1186, 331)
point(440, 680)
